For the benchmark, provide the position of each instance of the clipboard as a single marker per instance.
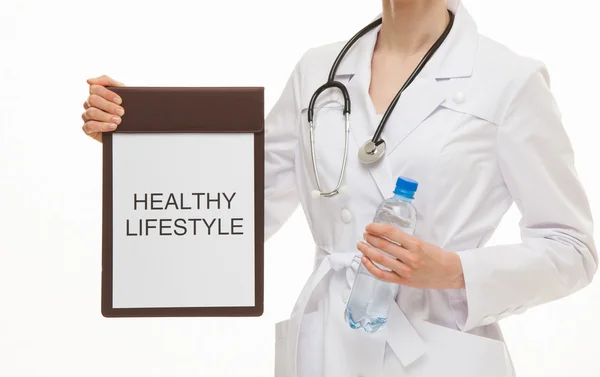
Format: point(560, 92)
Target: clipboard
point(183, 204)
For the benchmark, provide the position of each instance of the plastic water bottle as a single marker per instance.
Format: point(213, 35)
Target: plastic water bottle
point(370, 298)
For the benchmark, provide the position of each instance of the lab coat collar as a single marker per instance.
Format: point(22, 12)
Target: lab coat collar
point(454, 58)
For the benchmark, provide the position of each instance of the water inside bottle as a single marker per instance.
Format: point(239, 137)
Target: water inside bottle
point(370, 297)
point(370, 311)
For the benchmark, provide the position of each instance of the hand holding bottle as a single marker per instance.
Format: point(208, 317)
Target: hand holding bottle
point(416, 263)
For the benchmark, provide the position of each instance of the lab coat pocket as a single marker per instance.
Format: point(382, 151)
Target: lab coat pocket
point(456, 353)
point(309, 349)
point(310, 345)
point(281, 331)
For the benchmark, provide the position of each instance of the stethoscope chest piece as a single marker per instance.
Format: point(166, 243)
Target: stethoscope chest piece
point(371, 152)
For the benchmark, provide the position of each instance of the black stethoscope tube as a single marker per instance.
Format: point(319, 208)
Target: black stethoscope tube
point(412, 77)
point(331, 83)
point(331, 79)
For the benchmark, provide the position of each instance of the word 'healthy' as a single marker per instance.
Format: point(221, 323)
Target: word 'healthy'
point(184, 225)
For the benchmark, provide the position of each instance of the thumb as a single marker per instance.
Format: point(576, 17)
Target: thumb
point(104, 81)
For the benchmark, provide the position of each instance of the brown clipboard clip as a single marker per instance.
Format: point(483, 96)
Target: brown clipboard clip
point(186, 110)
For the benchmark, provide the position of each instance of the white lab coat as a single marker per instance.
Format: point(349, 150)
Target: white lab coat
point(479, 130)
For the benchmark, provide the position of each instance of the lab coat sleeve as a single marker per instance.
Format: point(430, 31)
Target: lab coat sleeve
point(557, 255)
point(281, 138)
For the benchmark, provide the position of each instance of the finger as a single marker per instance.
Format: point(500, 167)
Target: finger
point(110, 107)
point(405, 256)
point(108, 95)
point(96, 114)
point(104, 80)
point(93, 127)
point(380, 274)
point(385, 260)
point(395, 235)
point(96, 136)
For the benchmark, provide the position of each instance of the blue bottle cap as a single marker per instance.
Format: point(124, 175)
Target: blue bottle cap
point(406, 187)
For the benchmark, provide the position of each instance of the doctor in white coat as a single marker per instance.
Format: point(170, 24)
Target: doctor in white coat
point(478, 129)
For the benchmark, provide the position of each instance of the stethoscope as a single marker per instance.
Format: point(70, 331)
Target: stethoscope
point(373, 149)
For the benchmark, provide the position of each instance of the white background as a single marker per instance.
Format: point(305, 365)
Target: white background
point(50, 173)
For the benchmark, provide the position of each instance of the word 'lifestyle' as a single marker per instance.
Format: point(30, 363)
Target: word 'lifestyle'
point(182, 227)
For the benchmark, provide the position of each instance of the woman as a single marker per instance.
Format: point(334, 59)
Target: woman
point(478, 129)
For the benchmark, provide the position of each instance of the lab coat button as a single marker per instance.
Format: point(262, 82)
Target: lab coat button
point(459, 97)
point(346, 215)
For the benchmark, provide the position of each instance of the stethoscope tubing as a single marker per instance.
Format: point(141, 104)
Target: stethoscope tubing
point(411, 78)
point(375, 148)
